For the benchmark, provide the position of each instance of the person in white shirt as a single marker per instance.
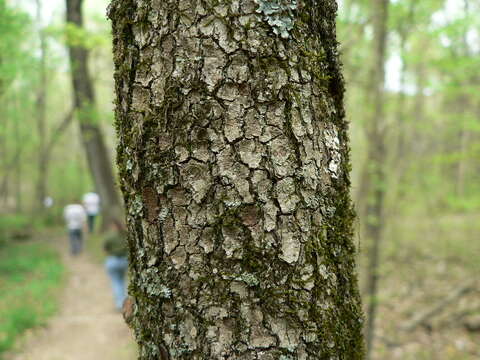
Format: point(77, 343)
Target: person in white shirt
point(75, 217)
point(48, 202)
point(91, 202)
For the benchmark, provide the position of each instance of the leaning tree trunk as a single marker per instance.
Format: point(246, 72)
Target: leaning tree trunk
point(84, 101)
point(234, 162)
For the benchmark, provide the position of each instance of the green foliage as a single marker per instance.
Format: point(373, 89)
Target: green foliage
point(73, 35)
point(14, 25)
point(13, 222)
point(30, 273)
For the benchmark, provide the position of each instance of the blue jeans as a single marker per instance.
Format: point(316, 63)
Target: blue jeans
point(76, 240)
point(91, 222)
point(117, 268)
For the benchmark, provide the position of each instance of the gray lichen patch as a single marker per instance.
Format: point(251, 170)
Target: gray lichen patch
point(286, 195)
point(250, 153)
point(212, 70)
point(152, 285)
point(232, 241)
point(290, 241)
point(270, 216)
point(194, 174)
point(239, 288)
point(288, 336)
point(290, 247)
point(332, 143)
point(249, 279)
point(279, 14)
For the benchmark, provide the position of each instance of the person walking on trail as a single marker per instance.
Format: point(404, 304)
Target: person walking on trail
point(91, 202)
point(48, 202)
point(116, 263)
point(75, 217)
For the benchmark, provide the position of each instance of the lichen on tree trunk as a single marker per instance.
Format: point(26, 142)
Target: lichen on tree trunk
point(234, 166)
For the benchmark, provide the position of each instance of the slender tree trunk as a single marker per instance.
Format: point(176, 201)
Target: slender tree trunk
point(464, 135)
point(400, 161)
point(376, 168)
point(234, 161)
point(420, 83)
point(41, 186)
point(3, 147)
point(18, 186)
point(400, 156)
point(84, 101)
point(464, 141)
point(404, 31)
point(400, 113)
point(18, 163)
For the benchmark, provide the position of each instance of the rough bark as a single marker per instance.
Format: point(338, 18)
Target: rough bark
point(234, 165)
point(376, 168)
point(84, 101)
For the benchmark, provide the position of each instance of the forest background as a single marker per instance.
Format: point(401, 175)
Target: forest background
point(414, 109)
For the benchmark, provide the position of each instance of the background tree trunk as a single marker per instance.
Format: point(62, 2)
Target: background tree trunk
point(375, 168)
point(41, 185)
point(18, 163)
point(84, 101)
point(234, 161)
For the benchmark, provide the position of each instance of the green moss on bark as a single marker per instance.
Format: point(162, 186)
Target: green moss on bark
point(233, 152)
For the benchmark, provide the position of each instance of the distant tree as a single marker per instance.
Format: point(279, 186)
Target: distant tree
point(234, 165)
point(84, 101)
point(47, 138)
point(374, 173)
point(14, 27)
point(41, 185)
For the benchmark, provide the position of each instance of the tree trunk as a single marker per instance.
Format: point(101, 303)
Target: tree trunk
point(401, 105)
point(234, 162)
point(464, 135)
point(41, 185)
point(464, 140)
point(18, 164)
point(84, 101)
point(3, 144)
point(403, 31)
point(376, 168)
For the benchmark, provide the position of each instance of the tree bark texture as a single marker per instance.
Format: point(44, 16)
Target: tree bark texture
point(84, 101)
point(234, 165)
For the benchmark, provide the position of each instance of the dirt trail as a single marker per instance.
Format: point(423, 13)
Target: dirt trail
point(87, 326)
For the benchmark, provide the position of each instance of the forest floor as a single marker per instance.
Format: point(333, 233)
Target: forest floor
point(87, 326)
point(429, 295)
point(428, 300)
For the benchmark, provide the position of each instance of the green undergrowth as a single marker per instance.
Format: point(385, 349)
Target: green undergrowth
point(30, 275)
point(15, 227)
